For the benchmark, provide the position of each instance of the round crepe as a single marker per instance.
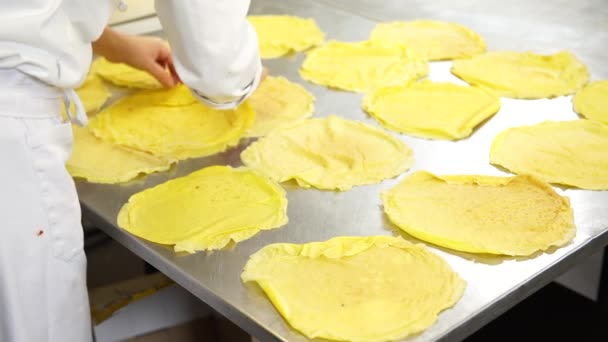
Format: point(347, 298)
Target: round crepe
point(376, 288)
point(124, 75)
point(279, 103)
point(101, 162)
point(362, 66)
point(171, 124)
point(206, 210)
point(481, 214)
point(432, 40)
point(279, 35)
point(524, 74)
point(572, 153)
point(432, 110)
point(592, 101)
point(330, 153)
point(93, 93)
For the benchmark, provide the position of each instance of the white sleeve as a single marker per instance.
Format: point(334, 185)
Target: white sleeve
point(215, 49)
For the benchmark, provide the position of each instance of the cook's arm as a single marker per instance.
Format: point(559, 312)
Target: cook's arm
point(215, 49)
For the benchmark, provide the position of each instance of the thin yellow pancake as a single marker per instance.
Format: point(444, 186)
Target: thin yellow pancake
point(592, 101)
point(572, 153)
point(101, 162)
point(481, 214)
point(124, 75)
point(432, 110)
point(279, 35)
point(206, 210)
point(362, 289)
point(93, 93)
point(279, 103)
point(362, 66)
point(329, 153)
point(524, 75)
point(433, 40)
point(171, 124)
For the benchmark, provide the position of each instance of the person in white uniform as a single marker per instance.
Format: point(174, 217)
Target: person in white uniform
point(45, 52)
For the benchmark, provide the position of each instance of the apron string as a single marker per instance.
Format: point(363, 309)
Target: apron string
point(80, 117)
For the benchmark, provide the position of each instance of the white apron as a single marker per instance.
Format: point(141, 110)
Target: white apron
point(43, 294)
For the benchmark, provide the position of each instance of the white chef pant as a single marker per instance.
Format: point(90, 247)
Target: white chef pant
point(43, 294)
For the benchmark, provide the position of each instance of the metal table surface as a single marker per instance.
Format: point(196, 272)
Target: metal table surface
point(494, 283)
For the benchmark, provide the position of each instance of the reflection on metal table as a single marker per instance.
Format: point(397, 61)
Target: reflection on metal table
point(494, 284)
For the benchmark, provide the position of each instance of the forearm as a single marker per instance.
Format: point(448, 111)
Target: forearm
point(215, 48)
point(110, 45)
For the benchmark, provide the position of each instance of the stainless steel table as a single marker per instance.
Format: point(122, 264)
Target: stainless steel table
point(494, 284)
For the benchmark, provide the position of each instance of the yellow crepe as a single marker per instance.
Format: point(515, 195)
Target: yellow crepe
point(278, 103)
point(124, 75)
point(279, 35)
point(93, 93)
point(171, 124)
point(362, 289)
point(206, 210)
point(101, 162)
point(433, 40)
point(572, 153)
point(592, 101)
point(481, 214)
point(524, 75)
point(362, 66)
point(432, 110)
point(330, 153)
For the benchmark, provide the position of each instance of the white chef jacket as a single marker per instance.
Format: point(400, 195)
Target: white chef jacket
point(215, 49)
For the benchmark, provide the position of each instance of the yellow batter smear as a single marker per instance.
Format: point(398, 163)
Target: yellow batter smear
point(432, 110)
point(101, 162)
point(124, 75)
point(362, 66)
point(329, 153)
point(481, 214)
point(362, 289)
point(171, 124)
point(571, 153)
point(592, 101)
point(206, 210)
point(279, 35)
point(279, 103)
point(433, 40)
point(524, 75)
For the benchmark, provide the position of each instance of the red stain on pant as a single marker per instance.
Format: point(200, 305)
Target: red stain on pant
point(40, 232)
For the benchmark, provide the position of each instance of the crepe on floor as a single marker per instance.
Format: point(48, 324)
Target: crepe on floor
point(362, 66)
point(365, 289)
point(592, 101)
point(280, 35)
point(329, 153)
point(206, 210)
point(573, 153)
point(278, 103)
point(433, 40)
point(432, 110)
point(124, 75)
point(515, 216)
point(98, 161)
point(171, 124)
point(524, 75)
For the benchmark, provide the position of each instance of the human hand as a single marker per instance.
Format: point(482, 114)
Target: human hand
point(150, 54)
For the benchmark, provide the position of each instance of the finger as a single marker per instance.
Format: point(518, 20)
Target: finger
point(163, 54)
point(161, 74)
point(172, 70)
